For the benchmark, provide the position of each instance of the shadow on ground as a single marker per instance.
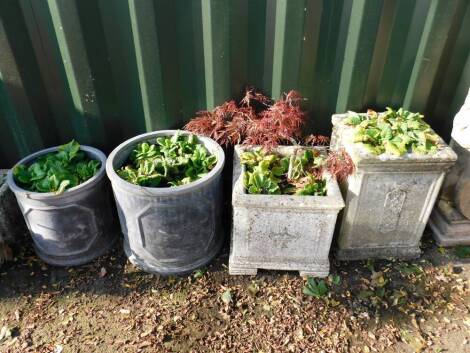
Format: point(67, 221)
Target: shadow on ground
point(110, 306)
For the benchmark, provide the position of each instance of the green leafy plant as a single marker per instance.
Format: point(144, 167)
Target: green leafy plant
point(57, 171)
point(410, 269)
point(273, 174)
point(394, 132)
point(315, 288)
point(199, 273)
point(336, 280)
point(462, 251)
point(170, 161)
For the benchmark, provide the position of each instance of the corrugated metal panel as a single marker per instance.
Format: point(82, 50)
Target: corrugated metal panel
point(103, 70)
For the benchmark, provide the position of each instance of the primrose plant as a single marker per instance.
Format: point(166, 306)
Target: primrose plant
point(274, 174)
point(169, 161)
point(394, 132)
point(57, 171)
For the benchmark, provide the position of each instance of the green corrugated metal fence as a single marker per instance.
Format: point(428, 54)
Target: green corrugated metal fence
point(103, 70)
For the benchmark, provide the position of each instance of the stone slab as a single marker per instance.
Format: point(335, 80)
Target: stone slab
point(388, 198)
point(281, 232)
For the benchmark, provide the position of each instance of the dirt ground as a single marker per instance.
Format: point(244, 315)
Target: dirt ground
point(110, 306)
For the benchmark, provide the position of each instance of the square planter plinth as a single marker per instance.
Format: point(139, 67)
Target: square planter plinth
point(281, 232)
point(388, 198)
point(449, 226)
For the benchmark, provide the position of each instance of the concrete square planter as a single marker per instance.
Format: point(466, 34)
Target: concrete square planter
point(388, 199)
point(281, 232)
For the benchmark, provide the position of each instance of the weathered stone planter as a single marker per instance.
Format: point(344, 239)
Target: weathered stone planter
point(74, 227)
point(12, 226)
point(388, 198)
point(450, 220)
point(281, 232)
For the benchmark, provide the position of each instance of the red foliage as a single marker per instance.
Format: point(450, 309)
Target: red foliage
point(213, 123)
point(281, 123)
point(339, 164)
point(317, 140)
point(251, 96)
point(258, 120)
point(255, 121)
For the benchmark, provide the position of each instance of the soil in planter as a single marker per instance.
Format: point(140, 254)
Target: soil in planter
point(57, 171)
point(170, 161)
point(273, 174)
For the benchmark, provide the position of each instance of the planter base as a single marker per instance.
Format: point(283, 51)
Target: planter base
point(251, 268)
point(79, 259)
point(449, 227)
point(405, 253)
point(167, 270)
point(233, 270)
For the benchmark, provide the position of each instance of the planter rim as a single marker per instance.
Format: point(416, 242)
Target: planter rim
point(444, 156)
point(213, 147)
point(93, 152)
point(332, 201)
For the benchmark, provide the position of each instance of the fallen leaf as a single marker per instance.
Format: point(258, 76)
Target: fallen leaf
point(103, 272)
point(227, 297)
point(5, 333)
point(253, 289)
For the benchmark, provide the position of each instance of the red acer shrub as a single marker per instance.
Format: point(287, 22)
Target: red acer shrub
point(260, 120)
point(256, 120)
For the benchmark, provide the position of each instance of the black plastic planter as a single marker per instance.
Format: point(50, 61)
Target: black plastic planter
point(169, 230)
point(74, 227)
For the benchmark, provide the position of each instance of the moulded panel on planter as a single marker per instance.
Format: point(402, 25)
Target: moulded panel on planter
point(285, 238)
point(388, 211)
point(166, 234)
point(65, 230)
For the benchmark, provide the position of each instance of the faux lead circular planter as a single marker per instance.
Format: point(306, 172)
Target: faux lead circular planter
point(169, 230)
point(74, 227)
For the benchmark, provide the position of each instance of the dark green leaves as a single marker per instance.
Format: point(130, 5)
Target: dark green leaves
point(272, 174)
point(170, 161)
point(462, 251)
point(393, 132)
point(57, 171)
point(315, 288)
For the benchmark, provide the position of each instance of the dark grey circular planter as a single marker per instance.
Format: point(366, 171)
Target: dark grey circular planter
point(72, 228)
point(169, 230)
